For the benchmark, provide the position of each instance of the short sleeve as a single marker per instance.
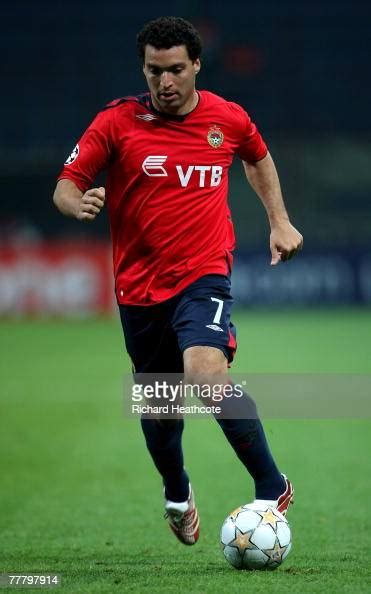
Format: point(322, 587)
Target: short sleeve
point(251, 146)
point(92, 153)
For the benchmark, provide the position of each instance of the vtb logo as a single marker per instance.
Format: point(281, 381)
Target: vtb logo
point(208, 175)
point(152, 166)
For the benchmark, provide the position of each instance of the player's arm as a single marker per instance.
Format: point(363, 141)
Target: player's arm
point(72, 202)
point(285, 240)
point(90, 156)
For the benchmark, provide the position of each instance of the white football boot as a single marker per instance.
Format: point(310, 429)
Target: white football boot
point(183, 519)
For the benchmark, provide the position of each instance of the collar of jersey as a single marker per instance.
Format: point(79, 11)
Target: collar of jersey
point(174, 117)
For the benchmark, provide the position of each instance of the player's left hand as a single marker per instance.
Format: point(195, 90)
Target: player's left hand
point(285, 242)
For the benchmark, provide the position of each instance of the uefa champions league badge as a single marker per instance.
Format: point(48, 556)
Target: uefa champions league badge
point(215, 137)
point(73, 156)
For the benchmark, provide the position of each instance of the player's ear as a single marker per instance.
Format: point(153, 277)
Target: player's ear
point(197, 65)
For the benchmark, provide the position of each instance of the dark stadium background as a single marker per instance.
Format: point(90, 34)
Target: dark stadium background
point(301, 69)
point(79, 494)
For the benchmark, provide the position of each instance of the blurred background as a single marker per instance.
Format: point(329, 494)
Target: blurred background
point(301, 69)
point(76, 482)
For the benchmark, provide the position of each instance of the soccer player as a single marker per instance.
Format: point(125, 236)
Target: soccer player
point(167, 154)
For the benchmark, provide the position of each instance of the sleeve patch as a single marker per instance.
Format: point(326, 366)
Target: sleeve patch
point(73, 156)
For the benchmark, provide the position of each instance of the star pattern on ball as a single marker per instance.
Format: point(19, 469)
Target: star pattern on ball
point(275, 554)
point(235, 512)
point(269, 517)
point(242, 541)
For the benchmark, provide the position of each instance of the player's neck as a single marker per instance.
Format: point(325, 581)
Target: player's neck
point(183, 110)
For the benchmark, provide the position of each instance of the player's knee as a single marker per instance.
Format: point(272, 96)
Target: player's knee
point(203, 364)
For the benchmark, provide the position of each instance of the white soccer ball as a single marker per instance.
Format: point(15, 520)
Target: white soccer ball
point(255, 537)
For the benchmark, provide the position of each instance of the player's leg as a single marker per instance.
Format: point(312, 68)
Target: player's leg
point(152, 345)
point(208, 344)
point(164, 443)
point(246, 435)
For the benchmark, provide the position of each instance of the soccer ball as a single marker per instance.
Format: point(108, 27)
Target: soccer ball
point(255, 537)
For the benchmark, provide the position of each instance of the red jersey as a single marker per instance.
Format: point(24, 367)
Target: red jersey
point(167, 189)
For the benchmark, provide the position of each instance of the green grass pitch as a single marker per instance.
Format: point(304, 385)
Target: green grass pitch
point(79, 495)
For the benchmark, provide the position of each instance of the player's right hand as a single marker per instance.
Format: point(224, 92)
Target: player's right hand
point(91, 204)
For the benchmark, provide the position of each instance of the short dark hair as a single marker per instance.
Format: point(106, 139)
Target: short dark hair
point(165, 32)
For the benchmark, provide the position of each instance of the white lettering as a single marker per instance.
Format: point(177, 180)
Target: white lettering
point(153, 167)
point(202, 169)
point(216, 175)
point(184, 178)
point(215, 179)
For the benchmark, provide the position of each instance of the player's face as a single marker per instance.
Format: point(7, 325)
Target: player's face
point(170, 76)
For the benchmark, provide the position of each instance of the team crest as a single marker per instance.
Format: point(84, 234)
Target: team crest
point(215, 137)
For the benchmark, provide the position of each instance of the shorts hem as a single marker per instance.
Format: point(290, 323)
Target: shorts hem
point(226, 350)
